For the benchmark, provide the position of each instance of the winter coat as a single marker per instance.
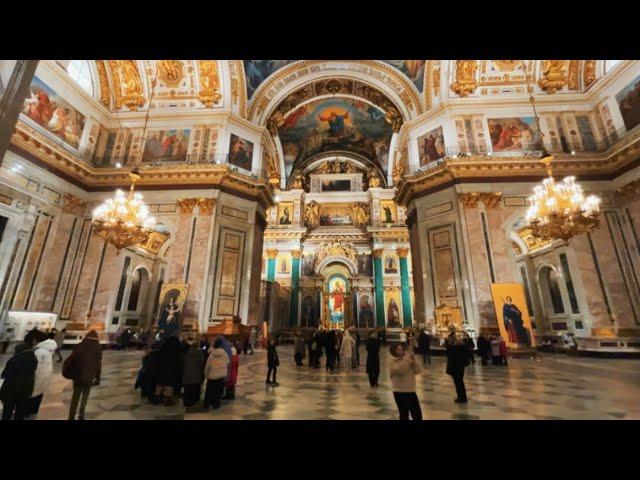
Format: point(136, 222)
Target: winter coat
point(373, 355)
point(85, 362)
point(217, 365)
point(19, 376)
point(457, 356)
point(272, 356)
point(44, 354)
point(346, 348)
point(424, 342)
point(495, 348)
point(483, 346)
point(502, 348)
point(298, 345)
point(403, 373)
point(233, 371)
point(193, 372)
point(170, 363)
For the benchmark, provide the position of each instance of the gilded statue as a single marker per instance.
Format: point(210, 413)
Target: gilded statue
point(131, 78)
point(171, 72)
point(349, 168)
point(373, 177)
point(360, 214)
point(129, 90)
point(465, 83)
point(325, 167)
point(553, 75)
point(209, 82)
point(312, 214)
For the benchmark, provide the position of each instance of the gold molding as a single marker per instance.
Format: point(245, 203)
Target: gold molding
point(377, 253)
point(127, 82)
point(589, 73)
point(554, 75)
point(295, 253)
point(73, 204)
point(186, 205)
point(154, 242)
point(206, 205)
point(105, 90)
point(402, 252)
point(209, 93)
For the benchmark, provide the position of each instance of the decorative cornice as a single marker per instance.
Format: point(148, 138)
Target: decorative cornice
point(471, 199)
point(206, 205)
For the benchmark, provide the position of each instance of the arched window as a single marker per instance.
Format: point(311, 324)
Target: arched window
point(552, 297)
point(80, 72)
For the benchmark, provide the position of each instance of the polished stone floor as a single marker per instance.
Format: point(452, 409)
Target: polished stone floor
point(553, 386)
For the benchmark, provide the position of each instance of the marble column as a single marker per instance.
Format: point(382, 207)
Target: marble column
point(12, 100)
point(379, 286)
point(272, 253)
point(404, 286)
point(295, 280)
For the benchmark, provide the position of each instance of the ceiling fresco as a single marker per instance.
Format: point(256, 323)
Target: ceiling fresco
point(257, 71)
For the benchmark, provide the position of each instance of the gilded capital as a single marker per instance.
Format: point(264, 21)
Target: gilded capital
point(73, 204)
point(468, 199)
point(295, 253)
point(206, 205)
point(272, 253)
point(490, 200)
point(402, 252)
point(378, 252)
point(186, 205)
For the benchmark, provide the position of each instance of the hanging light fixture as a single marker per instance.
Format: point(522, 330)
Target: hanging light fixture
point(124, 220)
point(559, 210)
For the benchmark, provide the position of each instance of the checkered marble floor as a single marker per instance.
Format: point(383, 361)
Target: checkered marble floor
point(553, 386)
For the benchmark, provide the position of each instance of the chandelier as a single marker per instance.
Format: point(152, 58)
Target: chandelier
point(124, 220)
point(559, 210)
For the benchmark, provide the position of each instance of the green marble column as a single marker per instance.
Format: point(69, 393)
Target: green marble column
point(404, 287)
point(271, 264)
point(379, 287)
point(295, 280)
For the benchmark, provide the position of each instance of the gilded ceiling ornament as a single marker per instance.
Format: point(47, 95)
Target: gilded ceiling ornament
point(73, 204)
point(471, 199)
point(154, 242)
point(589, 75)
point(295, 253)
point(360, 214)
point(312, 214)
point(373, 177)
point(209, 82)
point(468, 199)
point(206, 205)
point(170, 72)
point(186, 205)
point(573, 81)
point(105, 93)
point(436, 78)
point(532, 242)
point(298, 182)
point(554, 75)
point(507, 65)
point(128, 84)
point(465, 83)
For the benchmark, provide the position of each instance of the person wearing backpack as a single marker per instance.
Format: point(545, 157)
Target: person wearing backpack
point(84, 367)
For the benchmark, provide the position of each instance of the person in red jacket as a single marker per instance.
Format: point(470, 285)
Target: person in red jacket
point(233, 372)
point(503, 351)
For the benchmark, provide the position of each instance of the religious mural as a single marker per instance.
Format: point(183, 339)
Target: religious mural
point(285, 213)
point(390, 264)
point(365, 311)
point(336, 215)
point(431, 146)
point(629, 103)
point(48, 109)
point(414, 69)
point(240, 152)
point(171, 302)
point(256, 72)
point(309, 311)
point(283, 264)
point(167, 145)
point(393, 309)
point(513, 317)
point(388, 212)
point(335, 186)
point(364, 265)
point(514, 134)
point(337, 290)
point(337, 124)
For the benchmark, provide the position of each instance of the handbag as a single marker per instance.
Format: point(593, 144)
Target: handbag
point(67, 366)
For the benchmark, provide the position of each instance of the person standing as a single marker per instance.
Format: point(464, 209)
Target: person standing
point(457, 360)
point(373, 359)
point(298, 348)
point(230, 388)
point(330, 349)
point(495, 351)
point(357, 348)
point(272, 363)
point(424, 345)
point(84, 367)
point(468, 341)
point(44, 354)
point(19, 379)
point(502, 347)
point(192, 374)
point(216, 371)
point(403, 369)
point(484, 347)
point(346, 349)
point(253, 336)
point(169, 373)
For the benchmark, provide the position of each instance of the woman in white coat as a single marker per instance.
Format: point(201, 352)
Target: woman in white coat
point(44, 350)
point(346, 349)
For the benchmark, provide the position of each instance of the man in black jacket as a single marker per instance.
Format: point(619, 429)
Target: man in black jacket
point(19, 377)
point(424, 345)
point(457, 360)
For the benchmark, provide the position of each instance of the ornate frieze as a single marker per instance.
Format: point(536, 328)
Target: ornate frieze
point(589, 73)
point(105, 89)
point(186, 205)
point(471, 199)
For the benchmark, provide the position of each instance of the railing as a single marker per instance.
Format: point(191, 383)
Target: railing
point(191, 159)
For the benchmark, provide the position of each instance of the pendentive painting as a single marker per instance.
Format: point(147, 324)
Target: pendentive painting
point(514, 134)
point(48, 109)
point(414, 69)
point(431, 146)
point(256, 72)
point(629, 103)
point(167, 145)
point(334, 125)
point(240, 152)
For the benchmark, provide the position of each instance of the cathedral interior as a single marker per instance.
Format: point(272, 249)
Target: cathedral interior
point(292, 195)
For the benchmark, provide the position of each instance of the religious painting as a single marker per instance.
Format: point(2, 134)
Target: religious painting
point(171, 302)
point(285, 213)
point(309, 311)
point(283, 264)
point(364, 266)
point(365, 311)
point(256, 72)
point(414, 69)
point(514, 134)
point(629, 104)
point(307, 265)
point(167, 145)
point(390, 264)
point(334, 125)
point(431, 146)
point(48, 109)
point(240, 152)
point(513, 318)
point(335, 215)
point(335, 186)
point(388, 212)
point(392, 308)
point(337, 291)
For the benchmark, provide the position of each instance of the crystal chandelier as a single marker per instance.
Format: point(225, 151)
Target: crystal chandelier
point(559, 210)
point(124, 220)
